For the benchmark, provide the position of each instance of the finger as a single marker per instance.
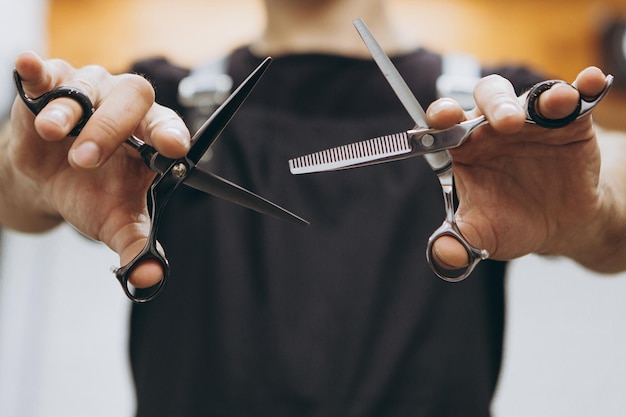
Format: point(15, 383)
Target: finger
point(128, 240)
point(129, 108)
point(443, 113)
point(449, 253)
point(119, 110)
point(39, 77)
point(495, 98)
point(58, 119)
point(560, 101)
point(166, 131)
point(145, 274)
point(590, 82)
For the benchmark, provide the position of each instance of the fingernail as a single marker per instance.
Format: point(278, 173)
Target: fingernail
point(441, 105)
point(505, 110)
point(86, 155)
point(178, 136)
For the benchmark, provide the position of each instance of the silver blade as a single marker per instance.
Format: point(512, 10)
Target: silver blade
point(222, 188)
point(438, 160)
point(367, 152)
point(394, 78)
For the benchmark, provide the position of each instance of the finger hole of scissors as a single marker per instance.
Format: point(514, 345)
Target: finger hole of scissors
point(443, 270)
point(449, 253)
point(140, 287)
point(533, 112)
point(35, 105)
point(588, 103)
point(449, 236)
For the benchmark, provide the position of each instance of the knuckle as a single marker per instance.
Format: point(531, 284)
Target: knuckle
point(59, 66)
point(109, 126)
point(489, 80)
point(493, 91)
point(165, 118)
point(88, 77)
point(139, 85)
point(84, 86)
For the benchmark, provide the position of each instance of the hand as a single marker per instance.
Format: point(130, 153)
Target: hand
point(91, 181)
point(523, 188)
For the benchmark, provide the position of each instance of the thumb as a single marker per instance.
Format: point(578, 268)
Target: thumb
point(126, 229)
point(449, 253)
point(143, 271)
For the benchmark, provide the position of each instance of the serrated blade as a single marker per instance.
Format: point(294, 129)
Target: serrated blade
point(367, 152)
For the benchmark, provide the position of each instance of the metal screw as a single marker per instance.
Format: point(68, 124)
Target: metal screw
point(428, 140)
point(179, 170)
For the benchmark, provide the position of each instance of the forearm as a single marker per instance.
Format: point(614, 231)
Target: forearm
point(21, 205)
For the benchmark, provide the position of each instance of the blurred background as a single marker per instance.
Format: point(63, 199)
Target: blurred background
point(63, 319)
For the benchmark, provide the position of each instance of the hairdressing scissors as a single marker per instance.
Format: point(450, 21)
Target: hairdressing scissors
point(433, 144)
point(171, 173)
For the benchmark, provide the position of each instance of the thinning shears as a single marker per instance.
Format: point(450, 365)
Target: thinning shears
point(432, 144)
point(171, 173)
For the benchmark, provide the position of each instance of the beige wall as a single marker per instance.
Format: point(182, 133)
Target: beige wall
point(559, 37)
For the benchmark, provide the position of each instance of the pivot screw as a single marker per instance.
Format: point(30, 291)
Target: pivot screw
point(179, 170)
point(428, 141)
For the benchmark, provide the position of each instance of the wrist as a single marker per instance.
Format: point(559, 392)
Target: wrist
point(600, 244)
point(22, 205)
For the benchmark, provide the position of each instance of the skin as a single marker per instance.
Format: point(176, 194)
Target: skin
point(512, 202)
point(521, 188)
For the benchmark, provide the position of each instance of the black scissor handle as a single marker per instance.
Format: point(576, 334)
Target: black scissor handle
point(35, 105)
point(158, 195)
point(474, 255)
point(583, 107)
point(140, 295)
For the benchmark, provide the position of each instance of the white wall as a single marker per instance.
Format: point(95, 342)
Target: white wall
point(565, 350)
point(63, 328)
point(22, 27)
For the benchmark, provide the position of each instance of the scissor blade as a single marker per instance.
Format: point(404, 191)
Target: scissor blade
point(368, 152)
point(399, 86)
point(222, 188)
point(211, 129)
point(438, 160)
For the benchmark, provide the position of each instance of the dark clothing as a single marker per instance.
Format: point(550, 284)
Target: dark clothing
point(344, 318)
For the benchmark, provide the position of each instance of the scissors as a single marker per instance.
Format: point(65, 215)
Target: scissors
point(432, 144)
point(171, 173)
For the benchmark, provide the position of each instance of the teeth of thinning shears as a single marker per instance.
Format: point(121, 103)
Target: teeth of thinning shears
point(380, 149)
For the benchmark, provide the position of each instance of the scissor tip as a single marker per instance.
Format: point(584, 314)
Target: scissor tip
point(299, 220)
